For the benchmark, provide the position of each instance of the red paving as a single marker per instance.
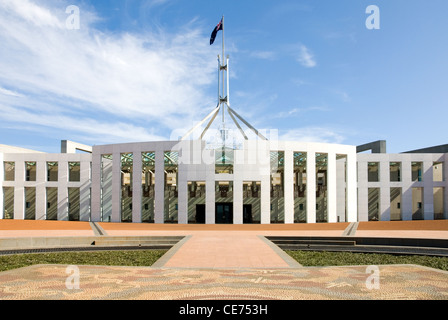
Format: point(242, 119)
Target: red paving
point(220, 246)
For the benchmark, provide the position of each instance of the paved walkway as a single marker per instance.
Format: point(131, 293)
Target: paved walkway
point(58, 282)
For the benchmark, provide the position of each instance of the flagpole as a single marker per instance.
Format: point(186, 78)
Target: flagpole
point(222, 62)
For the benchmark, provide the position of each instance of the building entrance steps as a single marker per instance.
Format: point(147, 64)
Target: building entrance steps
point(227, 250)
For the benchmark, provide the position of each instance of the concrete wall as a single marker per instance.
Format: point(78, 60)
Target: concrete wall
point(406, 184)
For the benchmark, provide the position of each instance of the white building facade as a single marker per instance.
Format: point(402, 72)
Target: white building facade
point(188, 181)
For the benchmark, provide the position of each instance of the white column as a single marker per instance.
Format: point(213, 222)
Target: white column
point(352, 201)
point(137, 186)
point(210, 199)
point(311, 187)
point(159, 198)
point(331, 189)
point(384, 189)
point(116, 187)
point(41, 192)
point(428, 189)
point(62, 203)
point(238, 201)
point(88, 180)
point(289, 186)
point(19, 190)
point(265, 199)
point(96, 189)
point(406, 196)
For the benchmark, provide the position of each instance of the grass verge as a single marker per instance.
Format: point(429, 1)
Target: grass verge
point(103, 258)
point(326, 258)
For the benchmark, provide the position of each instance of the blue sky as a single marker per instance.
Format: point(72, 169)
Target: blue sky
point(144, 70)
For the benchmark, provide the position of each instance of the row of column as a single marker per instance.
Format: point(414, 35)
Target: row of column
point(206, 172)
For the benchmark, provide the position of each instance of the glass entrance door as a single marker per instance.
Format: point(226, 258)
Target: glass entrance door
point(224, 213)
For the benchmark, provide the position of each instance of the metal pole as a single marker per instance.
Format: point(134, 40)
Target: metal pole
point(222, 69)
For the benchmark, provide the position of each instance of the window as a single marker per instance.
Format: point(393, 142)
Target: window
point(74, 171)
point(417, 168)
point(30, 168)
point(52, 171)
point(373, 171)
point(9, 168)
point(437, 171)
point(395, 171)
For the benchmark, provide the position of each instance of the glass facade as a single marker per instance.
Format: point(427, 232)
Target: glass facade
point(374, 204)
point(106, 187)
point(196, 202)
point(277, 186)
point(395, 171)
point(148, 183)
point(126, 165)
point(74, 171)
point(299, 187)
point(9, 171)
point(30, 203)
point(30, 168)
point(171, 192)
point(52, 203)
point(8, 202)
point(251, 202)
point(321, 187)
point(52, 171)
point(395, 204)
point(73, 204)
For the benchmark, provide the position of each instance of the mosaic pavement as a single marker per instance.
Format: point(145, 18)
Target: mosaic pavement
point(58, 282)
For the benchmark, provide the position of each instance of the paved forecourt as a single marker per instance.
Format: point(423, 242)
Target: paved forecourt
point(224, 262)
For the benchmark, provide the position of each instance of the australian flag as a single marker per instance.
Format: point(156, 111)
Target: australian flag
point(215, 31)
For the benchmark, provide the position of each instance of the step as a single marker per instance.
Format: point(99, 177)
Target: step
point(315, 242)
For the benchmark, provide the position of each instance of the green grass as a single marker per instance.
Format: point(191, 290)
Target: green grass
point(325, 258)
point(104, 258)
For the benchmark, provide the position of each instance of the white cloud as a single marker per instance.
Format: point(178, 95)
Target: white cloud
point(265, 55)
point(96, 83)
point(306, 58)
point(313, 134)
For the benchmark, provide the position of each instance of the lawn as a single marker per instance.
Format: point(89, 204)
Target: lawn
point(104, 258)
point(325, 258)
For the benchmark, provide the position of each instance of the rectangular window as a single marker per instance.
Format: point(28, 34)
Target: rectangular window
point(74, 171)
point(395, 204)
point(52, 203)
point(373, 171)
point(106, 187)
point(126, 186)
point(8, 202)
point(9, 171)
point(30, 168)
point(52, 171)
point(148, 185)
point(417, 169)
point(395, 171)
point(437, 171)
point(224, 160)
point(321, 187)
point(439, 205)
point(374, 204)
point(30, 203)
point(417, 203)
point(171, 177)
point(74, 204)
point(299, 187)
point(277, 186)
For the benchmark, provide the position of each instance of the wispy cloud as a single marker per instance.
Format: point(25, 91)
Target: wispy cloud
point(306, 57)
point(97, 84)
point(266, 55)
point(313, 134)
point(298, 111)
